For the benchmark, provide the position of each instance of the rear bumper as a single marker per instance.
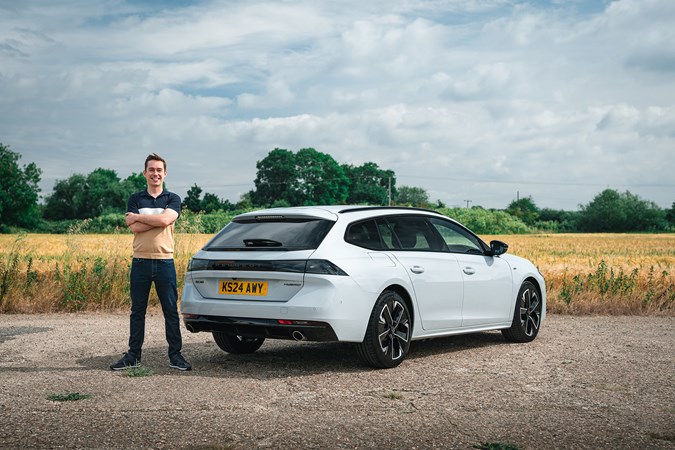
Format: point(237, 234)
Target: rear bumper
point(260, 328)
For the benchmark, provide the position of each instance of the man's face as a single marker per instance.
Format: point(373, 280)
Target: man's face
point(154, 173)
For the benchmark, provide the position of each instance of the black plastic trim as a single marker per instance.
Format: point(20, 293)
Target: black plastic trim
point(260, 328)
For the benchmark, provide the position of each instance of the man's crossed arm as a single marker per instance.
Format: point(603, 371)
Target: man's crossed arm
point(144, 222)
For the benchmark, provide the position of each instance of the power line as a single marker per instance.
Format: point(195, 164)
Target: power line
point(550, 183)
point(469, 180)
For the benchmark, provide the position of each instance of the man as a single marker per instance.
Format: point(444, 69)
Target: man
point(151, 215)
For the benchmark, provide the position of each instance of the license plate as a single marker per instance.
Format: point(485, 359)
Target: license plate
point(257, 288)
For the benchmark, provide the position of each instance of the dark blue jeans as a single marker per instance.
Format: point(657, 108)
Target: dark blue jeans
point(163, 273)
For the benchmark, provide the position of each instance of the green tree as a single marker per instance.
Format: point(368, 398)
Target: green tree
point(525, 209)
point(558, 220)
point(321, 179)
point(307, 177)
point(84, 197)
point(368, 184)
point(211, 202)
point(19, 190)
point(192, 200)
point(67, 198)
point(670, 215)
point(612, 211)
point(244, 203)
point(276, 179)
point(134, 183)
point(412, 196)
point(103, 194)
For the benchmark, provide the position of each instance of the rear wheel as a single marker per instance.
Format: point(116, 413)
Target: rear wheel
point(388, 334)
point(237, 344)
point(527, 316)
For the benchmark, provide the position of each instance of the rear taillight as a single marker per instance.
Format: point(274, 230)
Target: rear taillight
point(323, 267)
point(198, 264)
point(316, 266)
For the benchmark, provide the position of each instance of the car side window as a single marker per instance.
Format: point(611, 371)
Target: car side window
point(364, 234)
point(457, 239)
point(387, 236)
point(412, 233)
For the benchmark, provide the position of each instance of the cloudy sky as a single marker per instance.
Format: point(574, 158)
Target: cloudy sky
point(470, 99)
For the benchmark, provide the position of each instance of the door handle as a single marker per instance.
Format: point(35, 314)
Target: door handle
point(469, 270)
point(417, 269)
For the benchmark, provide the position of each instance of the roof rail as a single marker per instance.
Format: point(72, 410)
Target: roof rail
point(370, 208)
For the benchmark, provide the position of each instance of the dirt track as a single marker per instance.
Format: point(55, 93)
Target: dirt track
point(586, 382)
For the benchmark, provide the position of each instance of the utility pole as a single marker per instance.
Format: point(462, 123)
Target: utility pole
point(467, 202)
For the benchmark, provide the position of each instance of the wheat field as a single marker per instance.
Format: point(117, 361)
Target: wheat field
point(585, 273)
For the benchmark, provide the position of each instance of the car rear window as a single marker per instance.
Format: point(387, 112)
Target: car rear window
point(281, 234)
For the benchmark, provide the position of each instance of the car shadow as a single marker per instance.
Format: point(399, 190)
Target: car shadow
point(276, 358)
point(451, 344)
point(281, 359)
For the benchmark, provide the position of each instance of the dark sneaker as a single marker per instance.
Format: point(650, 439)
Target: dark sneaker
point(127, 362)
point(178, 362)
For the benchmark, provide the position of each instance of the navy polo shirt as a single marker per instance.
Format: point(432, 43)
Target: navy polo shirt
point(156, 243)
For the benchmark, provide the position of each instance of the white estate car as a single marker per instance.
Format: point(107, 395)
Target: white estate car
point(376, 276)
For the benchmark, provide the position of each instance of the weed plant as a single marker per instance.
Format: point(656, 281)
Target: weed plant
point(496, 446)
point(139, 371)
point(393, 395)
point(70, 397)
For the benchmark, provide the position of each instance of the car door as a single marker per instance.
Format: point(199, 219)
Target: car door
point(435, 275)
point(487, 279)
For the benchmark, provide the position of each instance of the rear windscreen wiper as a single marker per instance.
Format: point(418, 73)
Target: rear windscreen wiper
point(262, 243)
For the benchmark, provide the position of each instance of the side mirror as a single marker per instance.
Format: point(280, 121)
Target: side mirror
point(498, 248)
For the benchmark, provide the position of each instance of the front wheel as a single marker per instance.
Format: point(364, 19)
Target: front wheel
point(237, 344)
point(388, 334)
point(527, 315)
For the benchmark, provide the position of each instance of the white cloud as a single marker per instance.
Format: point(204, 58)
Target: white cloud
point(508, 95)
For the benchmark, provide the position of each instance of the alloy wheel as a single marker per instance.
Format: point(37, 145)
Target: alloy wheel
point(530, 311)
point(394, 329)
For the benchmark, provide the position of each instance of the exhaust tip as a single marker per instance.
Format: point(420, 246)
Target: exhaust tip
point(190, 328)
point(298, 336)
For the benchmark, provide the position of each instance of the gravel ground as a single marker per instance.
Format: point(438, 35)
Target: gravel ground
point(585, 382)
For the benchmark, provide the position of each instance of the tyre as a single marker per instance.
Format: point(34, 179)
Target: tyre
point(237, 344)
point(388, 334)
point(527, 315)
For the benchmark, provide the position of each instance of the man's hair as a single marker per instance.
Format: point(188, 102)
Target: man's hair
point(154, 157)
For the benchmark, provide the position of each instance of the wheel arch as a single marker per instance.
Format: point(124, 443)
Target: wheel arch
point(535, 282)
point(405, 295)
